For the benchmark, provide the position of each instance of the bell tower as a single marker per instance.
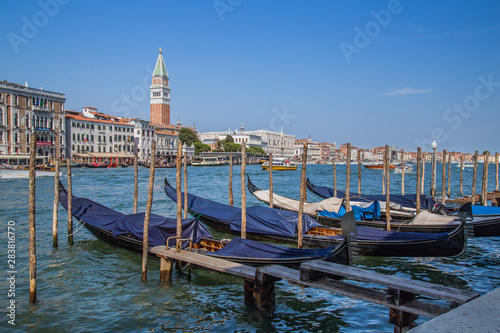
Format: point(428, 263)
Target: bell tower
point(160, 95)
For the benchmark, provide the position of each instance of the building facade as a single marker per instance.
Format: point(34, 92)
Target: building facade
point(25, 110)
point(92, 133)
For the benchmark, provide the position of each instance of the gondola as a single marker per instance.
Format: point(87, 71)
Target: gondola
point(486, 220)
point(268, 223)
point(367, 215)
point(126, 231)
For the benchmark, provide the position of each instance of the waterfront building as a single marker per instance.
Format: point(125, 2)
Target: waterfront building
point(25, 110)
point(95, 134)
point(313, 150)
point(279, 144)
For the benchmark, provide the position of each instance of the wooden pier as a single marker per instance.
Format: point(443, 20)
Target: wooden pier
point(478, 198)
point(400, 294)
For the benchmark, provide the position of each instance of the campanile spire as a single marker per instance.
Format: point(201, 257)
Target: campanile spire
point(160, 94)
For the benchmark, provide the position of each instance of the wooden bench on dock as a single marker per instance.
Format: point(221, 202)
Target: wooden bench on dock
point(400, 295)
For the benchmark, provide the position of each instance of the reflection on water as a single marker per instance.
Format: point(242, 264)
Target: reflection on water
point(93, 286)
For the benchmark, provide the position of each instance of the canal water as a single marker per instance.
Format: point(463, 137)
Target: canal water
point(94, 287)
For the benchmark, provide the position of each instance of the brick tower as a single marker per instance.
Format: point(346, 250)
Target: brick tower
point(160, 95)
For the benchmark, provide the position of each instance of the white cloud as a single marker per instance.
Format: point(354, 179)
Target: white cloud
point(407, 91)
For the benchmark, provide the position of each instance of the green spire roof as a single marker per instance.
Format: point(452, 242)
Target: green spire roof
point(160, 69)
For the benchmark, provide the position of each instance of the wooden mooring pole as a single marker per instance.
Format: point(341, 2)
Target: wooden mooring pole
point(271, 180)
point(243, 192)
point(185, 186)
point(178, 180)
point(422, 188)
point(147, 215)
point(384, 172)
point(348, 178)
point(70, 203)
point(496, 171)
point(55, 214)
point(449, 175)
point(136, 180)
point(419, 164)
point(231, 164)
point(402, 171)
point(300, 229)
point(388, 189)
point(32, 219)
point(443, 179)
point(474, 175)
point(359, 171)
point(484, 186)
point(334, 164)
point(461, 175)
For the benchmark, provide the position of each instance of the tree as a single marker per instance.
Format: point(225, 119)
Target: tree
point(256, 151)
point(201, 147)
point(230, 147)
point(219, 146)
point(229, 138)
point(187, 136)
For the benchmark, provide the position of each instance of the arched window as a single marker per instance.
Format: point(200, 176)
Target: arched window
point(1, 116)
point(15, 120)
point(27, 121)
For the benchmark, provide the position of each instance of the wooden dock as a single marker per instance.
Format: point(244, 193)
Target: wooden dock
point(493, 196)
point(399, 294)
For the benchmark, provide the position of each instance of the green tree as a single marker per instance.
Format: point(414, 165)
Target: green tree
point(256, 151)
point(219, 146)
point(201, 147)
point(230, 147)
point(187, 136)
point(229, 138)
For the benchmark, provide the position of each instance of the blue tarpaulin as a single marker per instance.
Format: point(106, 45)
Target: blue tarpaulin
point(485, 210)
point(407, 200)
point(260, 219)
point(160, 228)
point(371, 212)
point(251, 249)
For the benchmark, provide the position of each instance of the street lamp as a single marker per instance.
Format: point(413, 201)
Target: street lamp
point(433, 181)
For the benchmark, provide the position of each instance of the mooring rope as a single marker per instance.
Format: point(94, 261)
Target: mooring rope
point(79, 221)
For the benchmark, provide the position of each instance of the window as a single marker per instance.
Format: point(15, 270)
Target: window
point(99, 149)
point(92, 126)
point(15, 120)
point(92, 138)
point(115, 137)
point(99, 127)
point(74, 137)
point(78, 137)
point(1, 116)
point(73, 147)
point(27, 120)
point(88, 126)
point(110, 138)
point(92, 149)
point(104, 149)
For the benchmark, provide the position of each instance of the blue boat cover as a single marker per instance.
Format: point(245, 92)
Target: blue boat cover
point(485, 210)
point(371, 212)
point(160, 228)
point(239, 247)
point(260, 219)
point(407, 200)
point(265, 220)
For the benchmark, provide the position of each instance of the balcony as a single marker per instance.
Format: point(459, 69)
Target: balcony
point(41, 108)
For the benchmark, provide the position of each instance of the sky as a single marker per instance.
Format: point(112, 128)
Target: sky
point(366, 72)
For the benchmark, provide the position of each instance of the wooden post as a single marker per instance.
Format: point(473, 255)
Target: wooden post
point(270, 180)
point(443, 180)
point(70, 203)
point(496, 171)
point(178, 180)
point(56, 194)
point(300, 229)
point(334, 163)
point(419, 162)
point(402, 171)
point(423, 176)
point(461, 175)
point(474, 175)
point(348, 178)
point(243, 192)
point(136, 179)
point(384, 172)
point(185, 186)
point(388, 189)
point(484, 189)
point(449, 176)
point(231, 163)
point(147, 215)
point(32, 220)
point(359, 171)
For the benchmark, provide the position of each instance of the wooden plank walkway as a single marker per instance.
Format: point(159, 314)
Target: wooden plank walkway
point(493, 196)
point(399, 293)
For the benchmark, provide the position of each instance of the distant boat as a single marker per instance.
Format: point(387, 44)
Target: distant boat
point(408, 168)
point(23, 171)
point(280, 163)
point(466, 166)
point(207, 161)
point(378, 166)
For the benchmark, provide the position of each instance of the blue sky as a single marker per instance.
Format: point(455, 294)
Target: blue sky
point(366, 72)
